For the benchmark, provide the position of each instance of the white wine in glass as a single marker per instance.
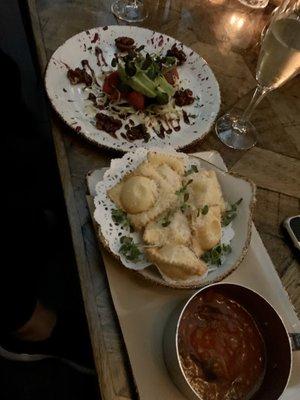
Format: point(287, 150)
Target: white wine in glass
point(279, 61)
point(279, 58)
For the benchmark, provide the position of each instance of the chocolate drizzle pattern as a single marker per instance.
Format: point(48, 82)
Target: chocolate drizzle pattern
point(161, 120)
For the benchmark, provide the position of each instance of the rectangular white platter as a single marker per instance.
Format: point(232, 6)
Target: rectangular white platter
point(144, 308)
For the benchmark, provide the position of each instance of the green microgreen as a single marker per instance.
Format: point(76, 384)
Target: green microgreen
point(140, 48)
point(231, 213)
point(166, 221)
point(129, 249)
point(184, 206)
point(183, 189)
point(184, 195)
point(214, 256)
point(203, 210)
point(120, 218)
point(114, 62)
point(192, 170)
point(130, 68)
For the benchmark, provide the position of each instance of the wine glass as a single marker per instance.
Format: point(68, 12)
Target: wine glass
point(255, 3)
point(129, 10)
point(278, 61)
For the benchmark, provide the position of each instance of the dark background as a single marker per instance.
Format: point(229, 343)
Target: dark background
point(59, 284)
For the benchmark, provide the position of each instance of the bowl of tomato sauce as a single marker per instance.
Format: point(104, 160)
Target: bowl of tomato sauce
point(228, 343)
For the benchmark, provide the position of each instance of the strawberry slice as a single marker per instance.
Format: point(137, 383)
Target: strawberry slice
point(137, 100)
point(110, 83)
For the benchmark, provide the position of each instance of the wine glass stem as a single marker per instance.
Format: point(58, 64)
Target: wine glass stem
point(257, 97)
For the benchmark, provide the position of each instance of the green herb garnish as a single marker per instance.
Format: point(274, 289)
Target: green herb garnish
point(230, 214)
point(214, 256)
point(140, 48)
point(114, 62)
point(129, 249)
point(130, 68)
point(162, 98)
point(120, 217)
point(183, 189)
point(204, 210)
point(184, 206)
point(166, 220)
point(184, 195)
point(192, 170)
point(147, 62)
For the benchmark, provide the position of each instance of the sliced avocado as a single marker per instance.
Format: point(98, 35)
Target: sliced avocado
point(139, 82)
point(164, 86)
point(142, 83)
point(162, 98)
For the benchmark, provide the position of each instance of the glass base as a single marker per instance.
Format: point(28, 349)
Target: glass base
point(255, 3)
point(236, 133)
point(129, 11)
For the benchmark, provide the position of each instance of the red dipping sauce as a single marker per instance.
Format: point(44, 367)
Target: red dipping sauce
point(221, 349)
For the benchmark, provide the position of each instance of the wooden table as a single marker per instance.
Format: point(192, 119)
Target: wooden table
point(226, 34)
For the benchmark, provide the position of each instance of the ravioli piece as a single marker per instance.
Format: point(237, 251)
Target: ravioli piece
point(166, 199)
point(206, 229)
point(148, 191)
point(176, 261)
point(177, 232)
point(138, 194)
point(135, 194)
point(174, 162)
point(170, 176)
point(204, 190)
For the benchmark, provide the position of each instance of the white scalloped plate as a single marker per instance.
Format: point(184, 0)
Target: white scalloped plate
point(233, 188)
point(70, 101)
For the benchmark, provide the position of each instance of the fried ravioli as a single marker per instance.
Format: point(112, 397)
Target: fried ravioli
point(176, 261)
point(180, 216)
point(206, 229)
point(149, 190)
point(172, 227)
point(204, 190)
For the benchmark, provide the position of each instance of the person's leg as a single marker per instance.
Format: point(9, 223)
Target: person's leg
point(29, 331)
point(24, 233)
point(22, 250)
point(29, 188)
point(39, 326)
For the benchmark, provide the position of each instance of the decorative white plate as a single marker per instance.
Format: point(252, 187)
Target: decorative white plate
point(70, 101)
point(233, 188)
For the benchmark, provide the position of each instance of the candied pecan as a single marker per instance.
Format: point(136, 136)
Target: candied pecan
point(108, 124)
point(183, 97)
point(177, 53)
point(78, 75)
point(124, 43)
point(137, 132)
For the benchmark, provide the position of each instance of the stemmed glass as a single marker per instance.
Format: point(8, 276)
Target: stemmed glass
point(129, 10)
point(279, 61)
point(255, 3)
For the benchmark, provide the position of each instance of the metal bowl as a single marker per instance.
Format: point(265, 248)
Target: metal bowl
point(271, 327)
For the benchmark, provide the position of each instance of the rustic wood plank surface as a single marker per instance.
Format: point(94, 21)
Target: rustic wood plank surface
point(227, 35)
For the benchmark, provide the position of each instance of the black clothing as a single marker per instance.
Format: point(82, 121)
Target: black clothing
point(27, 185)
